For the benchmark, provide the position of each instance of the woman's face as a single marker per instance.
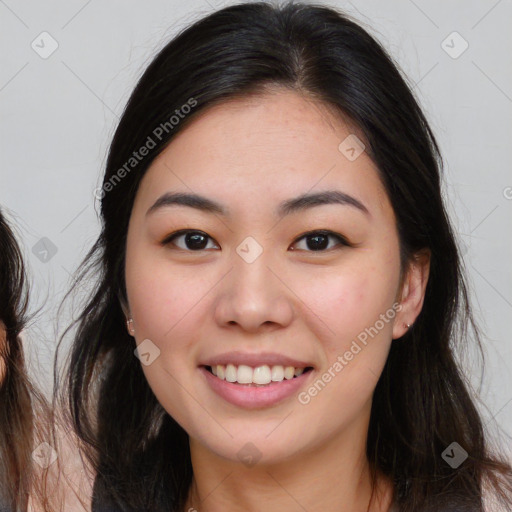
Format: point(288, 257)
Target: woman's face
point(250, 289)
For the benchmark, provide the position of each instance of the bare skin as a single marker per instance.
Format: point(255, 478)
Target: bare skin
point(250, 155)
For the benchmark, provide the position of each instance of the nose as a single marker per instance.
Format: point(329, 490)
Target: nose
point(254, 296)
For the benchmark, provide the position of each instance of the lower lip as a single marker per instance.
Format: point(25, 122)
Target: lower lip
point(253, 397)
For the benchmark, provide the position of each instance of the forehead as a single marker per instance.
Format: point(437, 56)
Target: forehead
point(264, 147)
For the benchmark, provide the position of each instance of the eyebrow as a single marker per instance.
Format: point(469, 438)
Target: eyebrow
point(294, 205)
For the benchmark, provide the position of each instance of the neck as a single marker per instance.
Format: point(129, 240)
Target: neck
point(334, 476)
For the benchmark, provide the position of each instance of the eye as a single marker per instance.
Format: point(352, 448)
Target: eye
point(194, 240)
point(318, 241)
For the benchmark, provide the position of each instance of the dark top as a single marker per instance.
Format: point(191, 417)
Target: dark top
point(104, 501)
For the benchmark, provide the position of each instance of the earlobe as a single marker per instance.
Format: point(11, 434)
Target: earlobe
point(129, 320)
point(129, 326)
point(413, 292)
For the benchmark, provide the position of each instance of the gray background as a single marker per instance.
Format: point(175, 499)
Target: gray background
point(58, 115)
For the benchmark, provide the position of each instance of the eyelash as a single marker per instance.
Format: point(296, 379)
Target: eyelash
point(325, 232)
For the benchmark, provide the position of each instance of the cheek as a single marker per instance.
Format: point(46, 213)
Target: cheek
point(344, 302)
point(160, 294)
point(351, 311)
point(355, 340)
point(162, 301)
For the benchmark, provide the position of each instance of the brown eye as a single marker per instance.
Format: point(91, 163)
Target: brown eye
point(318, 241)
point(192, 240)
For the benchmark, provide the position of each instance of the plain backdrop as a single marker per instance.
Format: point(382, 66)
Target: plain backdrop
point(67, 69)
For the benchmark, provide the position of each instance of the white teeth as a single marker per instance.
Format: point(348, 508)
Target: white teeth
point(289, 372)
point(231, 373)
point(244, 375)
point(261, 375)
point(277, 373)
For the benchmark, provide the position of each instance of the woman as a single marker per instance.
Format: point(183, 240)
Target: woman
point(274, 320)
point(22, 407)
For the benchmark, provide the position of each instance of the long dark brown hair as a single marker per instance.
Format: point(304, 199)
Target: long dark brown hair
point(422, 402)
point(24, 413)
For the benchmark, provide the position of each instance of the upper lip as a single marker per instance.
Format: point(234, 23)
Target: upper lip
point(263, 358)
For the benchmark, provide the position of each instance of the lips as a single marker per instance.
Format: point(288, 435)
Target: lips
point(254, 396)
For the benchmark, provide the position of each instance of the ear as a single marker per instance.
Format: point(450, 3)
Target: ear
point(128, 316)
point(412, 292)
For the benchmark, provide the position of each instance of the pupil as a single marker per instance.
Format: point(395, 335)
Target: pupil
point(316, 245)
point(193, 240)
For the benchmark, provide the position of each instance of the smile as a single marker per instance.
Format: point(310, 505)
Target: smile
point(258, 376)
point(255, 388)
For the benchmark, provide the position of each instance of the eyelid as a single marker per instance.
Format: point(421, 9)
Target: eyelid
point(326, 232)
point(169, 238)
